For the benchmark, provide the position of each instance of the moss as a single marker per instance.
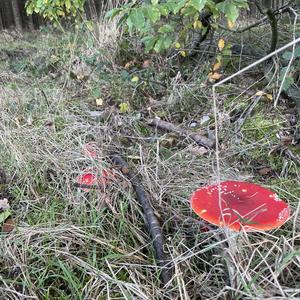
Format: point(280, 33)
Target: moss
point(260, 136)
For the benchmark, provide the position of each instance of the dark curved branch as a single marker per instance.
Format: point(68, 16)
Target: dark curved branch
point(274, 28)
point(151, 219)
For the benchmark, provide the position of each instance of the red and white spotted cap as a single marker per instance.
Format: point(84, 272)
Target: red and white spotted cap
point(243, 206)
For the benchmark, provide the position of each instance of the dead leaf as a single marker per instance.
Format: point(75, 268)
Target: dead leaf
point(264, 171)
point(146, 64)
point(221, 44)
point(4, 205)
point(286, 140)
point(99, 101)
point(259, 93)
point(216, 66)
point(9, 225)
point(269, 97)
point(169, 140)
point(230, 24)
point(197, 151)
point(213, 76)
point(129, 64)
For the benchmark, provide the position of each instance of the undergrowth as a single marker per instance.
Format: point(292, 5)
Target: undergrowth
point(68, 244)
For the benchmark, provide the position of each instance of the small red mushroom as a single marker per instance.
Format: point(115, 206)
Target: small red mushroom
point(242, 205)
point(92, 178)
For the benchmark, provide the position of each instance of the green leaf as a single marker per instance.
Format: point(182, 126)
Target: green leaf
point(168, 41)
point(176, 5)
point(137, 18)
point(152, 13)
point(164, 10)
point(113, 13)
point(159, 45)
point(230, 10)
point(288, 82)
point(149, 42)
point(4, 215)
point(167, 28)
point(198, 4)
point(287, 55)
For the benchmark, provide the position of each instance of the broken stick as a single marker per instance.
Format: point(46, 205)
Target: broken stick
point(151, 219)
point(199, 139)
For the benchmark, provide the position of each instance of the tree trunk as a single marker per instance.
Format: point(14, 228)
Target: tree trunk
point(1, 22)
point(30, 23)
point(17, 15)
point(7, 14)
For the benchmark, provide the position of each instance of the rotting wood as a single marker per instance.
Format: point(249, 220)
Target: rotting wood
point(152, 222)
point(199, 139)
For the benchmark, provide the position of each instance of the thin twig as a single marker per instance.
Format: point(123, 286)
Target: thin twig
point(199, 139)
point(291, 59)
point(151, 219)
point(279, 11)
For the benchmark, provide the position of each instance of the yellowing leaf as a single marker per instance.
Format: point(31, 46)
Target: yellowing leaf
point(135, 79)
point(129, 64)
point(221, 44)
point(259, 93)
point(182, 53)
point(216, 66)
point(99, 102)
point(177, 45)
point(230, 24)
point(197, 24)
point(269, 97)
point(214, 75)
point(124, 107)
point(89, 26)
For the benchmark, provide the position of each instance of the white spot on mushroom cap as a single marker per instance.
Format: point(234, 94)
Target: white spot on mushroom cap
point(284, 214)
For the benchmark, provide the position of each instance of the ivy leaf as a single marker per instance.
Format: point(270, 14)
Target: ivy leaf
point(159, 45)
point(287, 55)
point(149, 42)
point(168, 41)
point(288, 81)
point(152, 13)
point(166, 28)
point(137, 18)
point(198, 4)
point(176, 6)
point(113, 13)
point(230, 10)
point(4, 215)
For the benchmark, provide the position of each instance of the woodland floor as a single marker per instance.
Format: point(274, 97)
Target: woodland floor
point(59, 92)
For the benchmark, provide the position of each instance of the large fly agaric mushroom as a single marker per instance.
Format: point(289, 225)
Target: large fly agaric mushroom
point(243, 206)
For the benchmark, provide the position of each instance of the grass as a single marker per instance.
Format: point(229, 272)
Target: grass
point(68, 244)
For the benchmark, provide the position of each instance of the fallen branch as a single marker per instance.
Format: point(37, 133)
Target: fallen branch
point(294, 157)
point(199, 139)
point(151, 219)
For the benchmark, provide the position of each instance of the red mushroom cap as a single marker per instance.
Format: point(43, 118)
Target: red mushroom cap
point(244, 205)
point(91, 177)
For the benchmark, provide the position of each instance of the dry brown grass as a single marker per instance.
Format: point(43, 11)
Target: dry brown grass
point(71, 245)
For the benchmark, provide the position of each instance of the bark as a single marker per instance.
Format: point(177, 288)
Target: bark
point(152, 222)
point(30, 23)
point(199, 139)
point(17, 15)
point(8, 19)
point(1, 22)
